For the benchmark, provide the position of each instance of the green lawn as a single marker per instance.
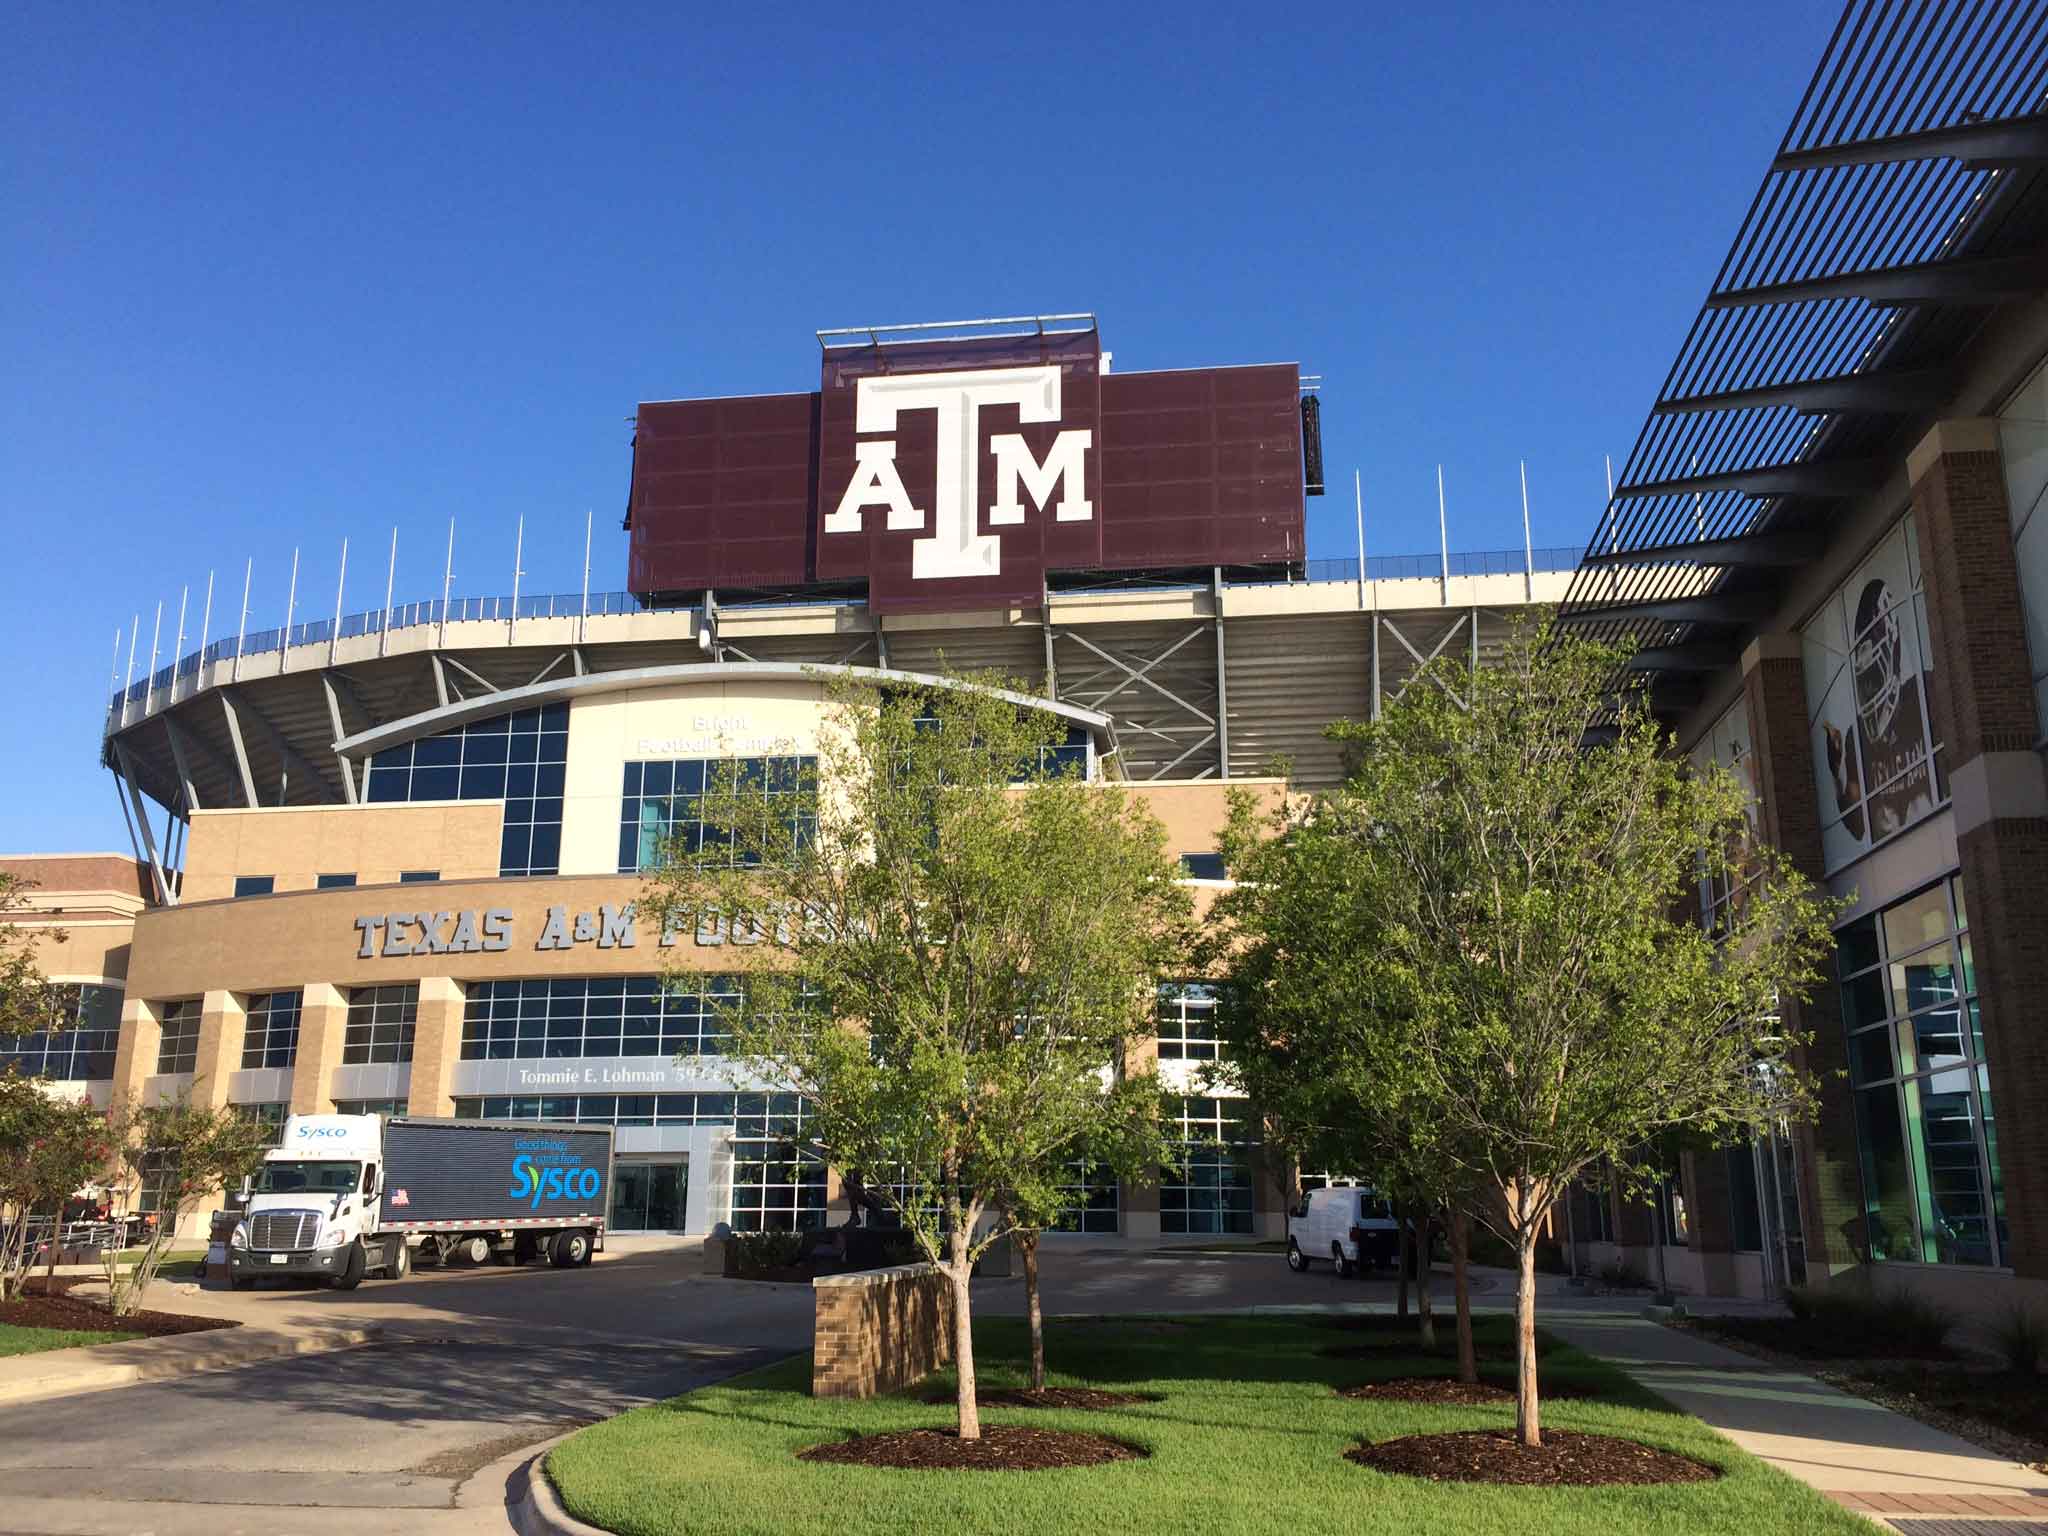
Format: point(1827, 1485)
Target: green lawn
point(27, 1341)
point(1249, 1437)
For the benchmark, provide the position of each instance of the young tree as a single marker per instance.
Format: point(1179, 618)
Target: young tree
point(184, 1152)
point(1524, 848)
point(25, 999)
point(956, 939)
point(49, 1146)
point(1123, 1133)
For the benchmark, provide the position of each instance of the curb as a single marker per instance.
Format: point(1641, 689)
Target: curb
point(65, 1372)
point(533, 1507)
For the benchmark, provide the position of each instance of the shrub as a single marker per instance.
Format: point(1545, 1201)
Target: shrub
point(759, 1251)
point(1849, 1321)
point(1617, 1275)
point(2021, 1338)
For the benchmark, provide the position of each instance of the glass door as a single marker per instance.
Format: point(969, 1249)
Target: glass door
point(648, 1197)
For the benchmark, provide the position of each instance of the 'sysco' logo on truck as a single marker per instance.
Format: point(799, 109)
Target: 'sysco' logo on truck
point(531, 1180)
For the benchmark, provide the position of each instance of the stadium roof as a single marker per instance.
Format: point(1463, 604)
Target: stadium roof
point(1906, 203)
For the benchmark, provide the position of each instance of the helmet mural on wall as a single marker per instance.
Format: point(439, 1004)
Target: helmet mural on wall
point(1877, 659)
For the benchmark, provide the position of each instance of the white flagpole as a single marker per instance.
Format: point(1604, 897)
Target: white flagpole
point(1528, 548)
point(206, 620)
point(156, 634)
point(518, 556)
point(1443, 535)
point(341, 581)
point(242, 625)
point(1358, 495)
point(178, 645)
point(134, 626)
point(583, 623)
point(291, 606)
point(447, 576)
point(390, 576)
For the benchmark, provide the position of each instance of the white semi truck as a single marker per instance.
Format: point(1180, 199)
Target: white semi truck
point(344, 1196)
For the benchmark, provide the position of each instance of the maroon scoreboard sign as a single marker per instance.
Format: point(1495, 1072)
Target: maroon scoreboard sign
point(958, 474)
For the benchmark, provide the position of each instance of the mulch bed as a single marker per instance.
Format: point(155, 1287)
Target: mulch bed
point(75, 1312)
point(1001, 1448)
point(1788, 1336)
point(1565, 1459)
point(1447, 1389)
point(1051, 1397)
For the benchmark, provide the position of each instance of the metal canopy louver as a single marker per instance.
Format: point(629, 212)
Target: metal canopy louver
point(1904, 205)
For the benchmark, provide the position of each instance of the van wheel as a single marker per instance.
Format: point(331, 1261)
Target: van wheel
point(1296, 1259)
point(571, 1249)
point(1345, 1267)
point(351, 1274)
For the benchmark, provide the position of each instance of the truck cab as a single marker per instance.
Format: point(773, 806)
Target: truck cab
point(312, 1206)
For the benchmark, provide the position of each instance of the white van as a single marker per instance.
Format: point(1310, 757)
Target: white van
point(1352, 1228)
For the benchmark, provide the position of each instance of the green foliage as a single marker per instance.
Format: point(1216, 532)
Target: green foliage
point(758, 1251)
point(188, 1151)
point(1850, 1322)
point(2020, 1335)
point(49, 1146)
point(24, 990)
point(1248, 1436)
point(16, 1340)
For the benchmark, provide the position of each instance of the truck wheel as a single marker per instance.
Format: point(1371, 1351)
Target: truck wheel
point(351, 1275)
point(1296, 1259)
point(401, 1262)
point(472, 1250)
point(572, 1249)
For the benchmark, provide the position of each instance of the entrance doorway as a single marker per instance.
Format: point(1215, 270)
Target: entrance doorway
point(648, 1197)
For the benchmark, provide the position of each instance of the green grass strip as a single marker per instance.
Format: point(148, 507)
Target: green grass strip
point(29, 1341)
point(1250, 1437)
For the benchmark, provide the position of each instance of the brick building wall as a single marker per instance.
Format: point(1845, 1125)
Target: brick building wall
point(879, 1330)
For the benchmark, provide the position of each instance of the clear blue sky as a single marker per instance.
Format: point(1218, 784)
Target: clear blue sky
point(272, 275)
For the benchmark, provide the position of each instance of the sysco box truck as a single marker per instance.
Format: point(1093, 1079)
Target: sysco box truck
point(344, 1196)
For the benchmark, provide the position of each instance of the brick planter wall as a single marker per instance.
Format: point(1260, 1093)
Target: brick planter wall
point(880, 1329)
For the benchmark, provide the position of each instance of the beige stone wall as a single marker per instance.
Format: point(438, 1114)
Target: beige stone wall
point(1195, 812)
point(375, 843)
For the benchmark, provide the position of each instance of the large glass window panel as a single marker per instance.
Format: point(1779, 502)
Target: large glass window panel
point(1186, 1021)
point(1954, 1210)
point(660, 806)
point(1888, 1227)
point(80, 1041)
point(178, 1044)
point(271, 1036)
point(380, 1024)
point(517, 758)
point(1211, 1192)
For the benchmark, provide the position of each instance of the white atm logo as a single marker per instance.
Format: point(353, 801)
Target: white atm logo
point(954, 546)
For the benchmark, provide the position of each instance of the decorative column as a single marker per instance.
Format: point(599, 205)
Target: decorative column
point(1830, 1179)
point(1985, 712)
point(323, 1024)
point(135, 1056)
point(436, 1047)
point(223, 1020)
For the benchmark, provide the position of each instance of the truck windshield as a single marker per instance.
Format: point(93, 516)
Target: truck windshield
point(299, 1178)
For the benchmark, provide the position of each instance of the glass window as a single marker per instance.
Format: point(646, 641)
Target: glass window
point(369, 1106)
point(518, 758)
point(1186, 1016)
point(178, 1046)
point(78, 1043)
point(333, 882)
point(158, 1174)
point(1202, 866)
point(660, 805)
point(255, 885)
point(1927, 1149)
point(271, 1038)
point(418, 876)
point(1089, 1200)
point(599, 1016)
point(380, 1024)
point(270, 1116)
point(1212, 1191)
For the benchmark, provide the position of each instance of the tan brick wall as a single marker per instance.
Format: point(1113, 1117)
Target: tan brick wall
point(436, 1044)
point(323, 1022)
point(375, 843)
point(879, 1331)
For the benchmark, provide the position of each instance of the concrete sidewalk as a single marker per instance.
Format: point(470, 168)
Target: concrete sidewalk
point(96, 1367)
point(1865, 1456)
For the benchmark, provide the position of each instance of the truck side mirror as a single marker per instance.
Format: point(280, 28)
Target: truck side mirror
point(248, 1187)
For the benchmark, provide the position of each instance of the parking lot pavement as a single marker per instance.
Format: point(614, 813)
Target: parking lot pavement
point(476, 1364)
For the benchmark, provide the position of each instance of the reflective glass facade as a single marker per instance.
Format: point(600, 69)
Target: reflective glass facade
point(1926, 1140)
point(597, 1016)
point(660, 801)
point(380, 1024)
point(1186, 1016)
point(519, 758)
point(271, 1034)
point(178, 1043)
point(1212, 1190)
point(82, 1045)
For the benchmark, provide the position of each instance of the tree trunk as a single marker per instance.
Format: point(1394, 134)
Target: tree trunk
point(1027, 1247)
point(1423, 1309)
point(1461, 1286)
point(1528, 1425)
point(960, 1270)
point(1400, 1259)
point(50, 1269)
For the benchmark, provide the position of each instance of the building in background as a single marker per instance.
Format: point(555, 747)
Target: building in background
point(394, 856)
point(80, 910)
point(1830, 543)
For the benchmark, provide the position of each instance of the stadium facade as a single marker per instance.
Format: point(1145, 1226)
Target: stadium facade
point(392, 860)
